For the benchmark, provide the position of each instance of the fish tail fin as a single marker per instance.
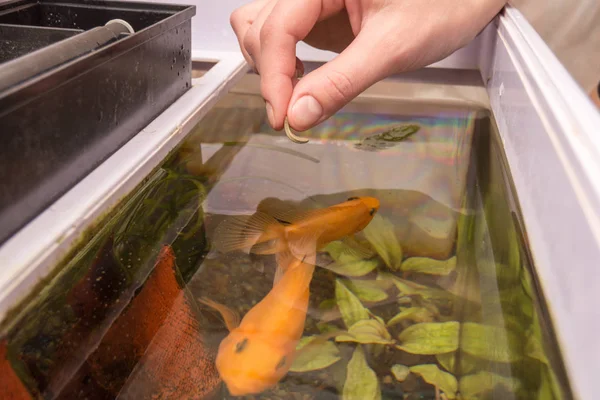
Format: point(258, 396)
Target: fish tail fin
point(257, 233)
point(230, 317)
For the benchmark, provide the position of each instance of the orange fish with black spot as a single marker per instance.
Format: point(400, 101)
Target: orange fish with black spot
point(260, 349)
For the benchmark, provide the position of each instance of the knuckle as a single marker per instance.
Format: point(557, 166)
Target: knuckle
point(339, 87)
point(249, 41)
point(235, 17)
point(268, 30)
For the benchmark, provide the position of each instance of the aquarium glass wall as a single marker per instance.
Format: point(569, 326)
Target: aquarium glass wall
point(384, 259)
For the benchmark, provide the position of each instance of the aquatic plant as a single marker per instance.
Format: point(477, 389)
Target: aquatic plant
point(459, 358)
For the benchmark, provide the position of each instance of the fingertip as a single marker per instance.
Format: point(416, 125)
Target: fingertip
point(277, 91)
point(305, 113)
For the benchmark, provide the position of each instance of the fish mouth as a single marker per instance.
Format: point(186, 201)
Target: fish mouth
point(371, 203)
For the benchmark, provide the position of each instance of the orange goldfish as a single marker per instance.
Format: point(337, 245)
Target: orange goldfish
point(260, 349)
point(272, 231)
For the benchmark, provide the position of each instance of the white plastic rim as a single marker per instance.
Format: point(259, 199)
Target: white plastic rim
point(122, 22)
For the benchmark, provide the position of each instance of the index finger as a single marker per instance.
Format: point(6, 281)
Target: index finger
point(289, 22)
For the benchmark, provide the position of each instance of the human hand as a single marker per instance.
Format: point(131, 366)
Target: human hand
point(375, 39)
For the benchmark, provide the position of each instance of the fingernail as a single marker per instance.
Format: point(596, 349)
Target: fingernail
point(306, 111)
point(270, 114)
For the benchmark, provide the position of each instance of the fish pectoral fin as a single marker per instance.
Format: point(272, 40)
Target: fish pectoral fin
point(230, 317)
point(243, 232)
point(283, 260)
point(266, 247)
point(356, 249)
point(304, 248)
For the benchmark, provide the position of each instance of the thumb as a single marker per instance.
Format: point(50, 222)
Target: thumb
point(325, 90)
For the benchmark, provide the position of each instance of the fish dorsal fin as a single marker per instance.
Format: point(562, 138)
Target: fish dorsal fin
point(230, 317)
point(276, 208)
point(288, 213)
point(242, 232)
point(296, 216)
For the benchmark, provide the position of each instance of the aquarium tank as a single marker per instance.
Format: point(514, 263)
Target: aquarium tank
point(434, 298)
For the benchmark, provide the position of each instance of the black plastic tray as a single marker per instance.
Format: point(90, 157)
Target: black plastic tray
point(72, 90)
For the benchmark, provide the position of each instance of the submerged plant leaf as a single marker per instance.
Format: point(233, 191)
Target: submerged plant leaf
point(426, 265)
point(534, 347)
point(400, 372)
point(489, 342)
point(430, 338)
point(448, 362)
point(327, 304)
point(361, 381)
point(434, 227)
point(408, 288)
point(346, 263)
point(315, 356)
point(387, 139)
point(354, 269)
point(367, 331)
point(325, 328)
point(367, 290)
point(350, 306)
point(484, 381)
point(443, 380)
point(415, 314)
point(382, 236)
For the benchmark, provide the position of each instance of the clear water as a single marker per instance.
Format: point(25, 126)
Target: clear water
point(456, 309)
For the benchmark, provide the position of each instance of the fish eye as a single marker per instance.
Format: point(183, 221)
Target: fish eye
point(372, 211)
point(352, 198)
point(241, 345)
point(281, 363)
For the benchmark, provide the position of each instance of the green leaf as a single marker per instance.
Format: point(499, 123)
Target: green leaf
point(430, 338)
point(490, 342)
point(400, 372)
point(399, 133)
point(327, 304)
point(353, 269)
point(324, 327)
point(534, 349)
point(367, 331)
point(434, 227)
point(448, 361)
point(367, 290)
point(426, 265)
point(482, 382)
point(415, 314)
point(311, 357)
point(346, 262)
point(350, 306)
point(382, 236)
point(361, 381)
point(443, 380)
point(408, 288)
